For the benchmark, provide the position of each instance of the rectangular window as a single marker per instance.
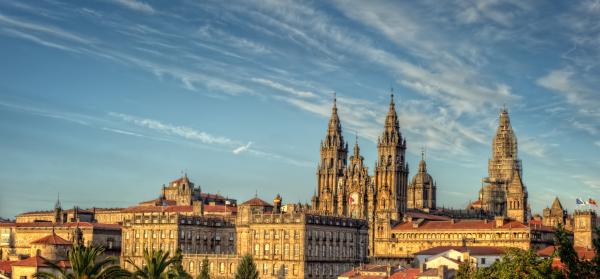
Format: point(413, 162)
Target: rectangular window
point(482, 260)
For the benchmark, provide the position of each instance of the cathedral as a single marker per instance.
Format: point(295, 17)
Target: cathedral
point(345, 188)
point(503, 192)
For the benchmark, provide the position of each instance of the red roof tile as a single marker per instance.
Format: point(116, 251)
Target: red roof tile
point(457, 225)
point(473, 250)
point(63, 225)
point(52, 239)
point(257, 202)
point(157, 208)
point(36, 261)
point(582, 252)
point(220, 208)
point(6, 266)
point(408, 273)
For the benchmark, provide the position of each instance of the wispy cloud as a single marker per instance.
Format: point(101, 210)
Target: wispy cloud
point(48, 29)
point(195, 135)
point(136, 5)
point(284, 88)
point(182, 131)
point(242, 148)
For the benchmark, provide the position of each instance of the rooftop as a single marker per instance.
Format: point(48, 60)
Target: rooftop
point(473, 250)
point(52, 239)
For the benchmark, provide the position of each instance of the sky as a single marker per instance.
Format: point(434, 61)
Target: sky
point(103, 102)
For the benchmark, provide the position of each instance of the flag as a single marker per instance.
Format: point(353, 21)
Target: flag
point(593, 202)
point(579, 201)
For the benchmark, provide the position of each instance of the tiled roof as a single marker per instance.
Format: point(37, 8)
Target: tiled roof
point(63, 225)
point(457, 225)
point(35, 261)
point(45, 212)
point(582, 252)
point(52, 239)
point(257, 202)
point(6, 266)
point(156, 208)
point(473, 250)
point(220, 208)
point(408, 273)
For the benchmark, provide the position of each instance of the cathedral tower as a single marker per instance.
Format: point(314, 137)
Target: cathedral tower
point(334, 152)
point(422, 190)
point(516, 199)
point(391, 172)
point(504, 181)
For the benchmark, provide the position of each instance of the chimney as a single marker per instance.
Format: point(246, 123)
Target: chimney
point(389, 270)
point(499, 221)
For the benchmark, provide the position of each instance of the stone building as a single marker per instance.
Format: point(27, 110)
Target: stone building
point(414, 235)
point(347, 189)
point(22, 236)
point(293, 244)
point(421, 192)
point(584, 222)
point(503, 192)
point(555, 215)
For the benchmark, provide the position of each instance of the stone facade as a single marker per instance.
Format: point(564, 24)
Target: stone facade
point(294, 244)
point(555, 215)
point(347, 189)
point(412, 236)
point(22, 235)
point(583, 228)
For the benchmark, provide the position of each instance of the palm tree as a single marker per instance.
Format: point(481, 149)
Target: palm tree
point(85, 264)
point(158, 265)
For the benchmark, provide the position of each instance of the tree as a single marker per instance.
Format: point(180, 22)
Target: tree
point(85, 264)
point(176, 270)
point(574, 266)
point(158, 265)
point(204, 274)
point(246, 269)
point(515, 264)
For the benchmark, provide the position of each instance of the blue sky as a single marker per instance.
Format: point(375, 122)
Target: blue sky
point(105, 101)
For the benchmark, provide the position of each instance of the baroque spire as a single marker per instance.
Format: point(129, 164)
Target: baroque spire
point(334, 129)
point(391, 130)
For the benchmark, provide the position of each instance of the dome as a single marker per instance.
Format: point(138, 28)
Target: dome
point(422, 177)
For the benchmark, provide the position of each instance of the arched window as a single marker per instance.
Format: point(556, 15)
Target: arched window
point(191, 267)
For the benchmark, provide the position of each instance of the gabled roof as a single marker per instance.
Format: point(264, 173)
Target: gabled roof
point(473, 250)
point(257, 202)
point(52, 239)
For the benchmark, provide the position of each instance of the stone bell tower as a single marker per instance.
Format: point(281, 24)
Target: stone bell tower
point(391, 171)
point(334, 153)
